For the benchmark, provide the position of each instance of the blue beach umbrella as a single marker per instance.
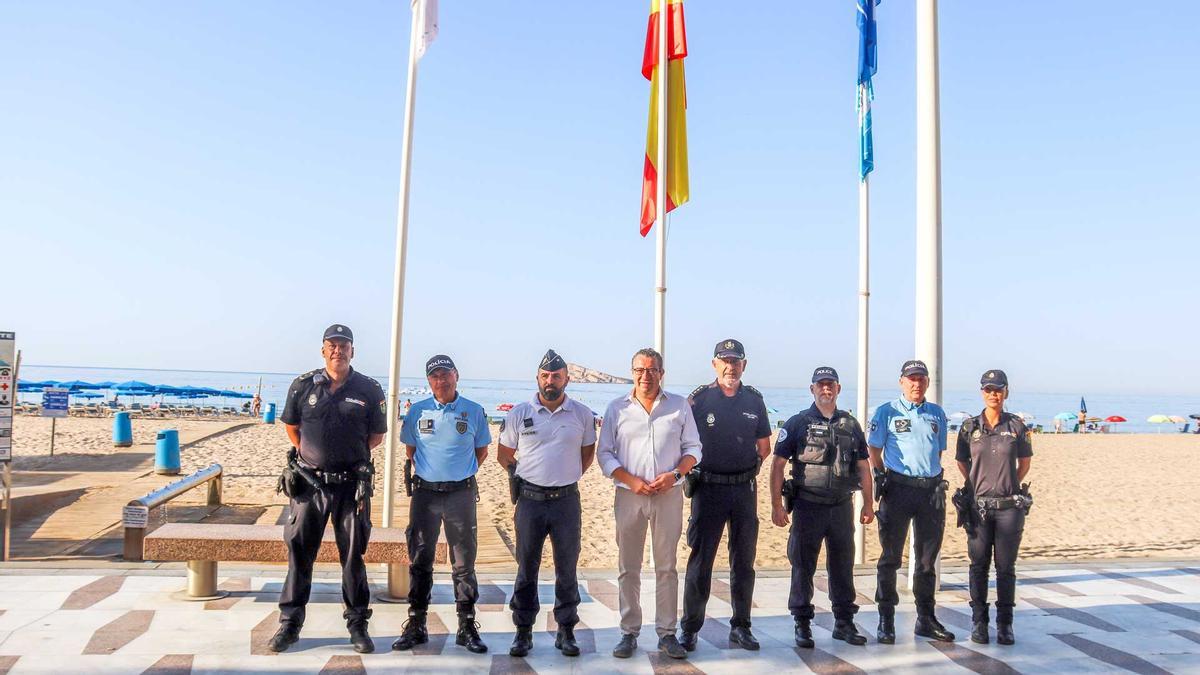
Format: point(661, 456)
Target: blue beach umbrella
point(1066, 416)
point(132, 385)
point(77, 385)
point(86, 394)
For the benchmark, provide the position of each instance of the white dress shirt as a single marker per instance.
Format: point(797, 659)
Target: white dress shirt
point(548, 443)
point(646, 444)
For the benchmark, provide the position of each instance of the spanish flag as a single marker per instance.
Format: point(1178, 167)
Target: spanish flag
point(677, 165)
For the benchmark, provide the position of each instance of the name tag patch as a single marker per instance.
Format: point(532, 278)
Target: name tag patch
point(356, 401)
point(425, 426)
point(903, 426)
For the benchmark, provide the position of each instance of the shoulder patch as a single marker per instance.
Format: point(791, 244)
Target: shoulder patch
point(752, 390)
point(968, 426)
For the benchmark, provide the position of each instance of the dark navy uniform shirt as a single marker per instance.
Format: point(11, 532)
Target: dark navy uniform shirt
point(794, 434)
point(729, 427)
point(993, 453)
point(334, 427)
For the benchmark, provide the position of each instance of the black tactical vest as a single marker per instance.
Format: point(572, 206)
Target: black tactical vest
point(827, 467)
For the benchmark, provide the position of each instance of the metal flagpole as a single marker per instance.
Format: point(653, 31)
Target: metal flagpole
point(864, 300)
point(660, 238)
point(929, 210)
point(397, 582)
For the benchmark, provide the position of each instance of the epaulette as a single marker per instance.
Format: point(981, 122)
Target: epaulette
point(699, 389)
point(309, 375)
point(752, 390)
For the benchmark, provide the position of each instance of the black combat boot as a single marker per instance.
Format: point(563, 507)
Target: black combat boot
point(522, 644)
point(979, 632)
point(930, 627)
point(804, 634)
point(687, 640)
point(415, 633)
point(845, 630)
point(468, 634)
point(741, 636)
point(359, 638)
point(565, 642)
point(1004, 634)
point(886, 633)
point(285, 637)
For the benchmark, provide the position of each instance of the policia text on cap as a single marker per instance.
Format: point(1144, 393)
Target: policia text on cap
point(334, 416)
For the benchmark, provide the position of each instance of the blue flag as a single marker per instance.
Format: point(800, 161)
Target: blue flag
point(867, 64)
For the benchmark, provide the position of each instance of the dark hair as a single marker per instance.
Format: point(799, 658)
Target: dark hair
point(650, 352)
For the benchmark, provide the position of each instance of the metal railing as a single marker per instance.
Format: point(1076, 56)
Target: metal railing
point(136, 514)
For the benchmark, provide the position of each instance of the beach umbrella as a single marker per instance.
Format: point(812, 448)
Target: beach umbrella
point(86, 394)
point(1176, 419)
point(1026, 417)
point(132, 385)
point(34, 386)
point(1194, 416)
point(1115, 418)
point(77, 385)
point(1158, 419)
point(107, 384)
point(1066, 416)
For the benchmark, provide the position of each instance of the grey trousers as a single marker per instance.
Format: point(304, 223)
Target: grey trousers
point(664, 515)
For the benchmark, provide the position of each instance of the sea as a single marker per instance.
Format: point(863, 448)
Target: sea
point(782, 402)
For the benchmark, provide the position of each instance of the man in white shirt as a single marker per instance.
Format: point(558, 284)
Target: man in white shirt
point(648, 442)
point(546, 444)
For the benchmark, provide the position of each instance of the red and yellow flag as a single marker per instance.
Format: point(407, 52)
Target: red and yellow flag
point(677, 164)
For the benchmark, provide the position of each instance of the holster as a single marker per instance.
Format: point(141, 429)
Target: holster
point(964, 503)
point(514, 483)
point(294, 481)
point(1025, 499)
point(881, 484)
point(789, 494)
point(691, 483)
point(938, 498)
point(408, 483)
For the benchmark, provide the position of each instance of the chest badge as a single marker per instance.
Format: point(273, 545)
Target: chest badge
point(425, 426)
point(903, 426)
point(976, 435)
point(461, 426)
point(312, 399)
point(711, 419)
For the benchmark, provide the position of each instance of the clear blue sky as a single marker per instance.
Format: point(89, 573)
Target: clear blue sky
point(208, 185)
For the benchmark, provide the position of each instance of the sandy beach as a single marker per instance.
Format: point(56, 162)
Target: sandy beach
point(1097, 495)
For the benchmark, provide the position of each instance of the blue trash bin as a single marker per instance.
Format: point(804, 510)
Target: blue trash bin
point(122, 430)
point(166, 452)
point(269, 414)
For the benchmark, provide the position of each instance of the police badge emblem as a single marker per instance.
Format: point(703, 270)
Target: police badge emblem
point(711, 419)
point(312, 399)
point(782, 436)
point(461, 426)
point(976, 435)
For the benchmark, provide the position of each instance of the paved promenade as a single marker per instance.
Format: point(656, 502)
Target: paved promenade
point(1101, 617)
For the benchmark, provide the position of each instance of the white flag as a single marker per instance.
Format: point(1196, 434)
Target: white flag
point(424, 16)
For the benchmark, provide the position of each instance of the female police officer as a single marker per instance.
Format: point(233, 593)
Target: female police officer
point(993, 456)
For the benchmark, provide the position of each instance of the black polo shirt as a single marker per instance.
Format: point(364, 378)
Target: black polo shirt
point(794, 434)
point(334, 427)
point(729, 427)
point(993, 453)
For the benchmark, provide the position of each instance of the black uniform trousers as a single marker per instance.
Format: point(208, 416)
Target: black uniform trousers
point(305, 527)
point(561, 520)
point(998, 536)
point(812, 525)
point(713, 506)
point(903, 504)
point(428, 511)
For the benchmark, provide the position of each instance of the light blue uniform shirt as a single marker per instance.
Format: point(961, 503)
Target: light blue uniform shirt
point(912, 437)
point(445, 437)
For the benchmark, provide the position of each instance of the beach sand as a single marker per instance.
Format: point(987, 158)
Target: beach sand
point(1096, 495)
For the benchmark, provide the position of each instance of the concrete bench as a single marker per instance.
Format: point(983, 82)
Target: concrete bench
point(202, 545)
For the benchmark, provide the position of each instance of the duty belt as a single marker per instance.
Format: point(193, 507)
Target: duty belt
point(544, 494)
point(997, 503)
point(729, 478)
point(443, 486)
point(914, 481)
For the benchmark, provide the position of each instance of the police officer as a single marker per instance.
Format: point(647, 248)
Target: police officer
point(334, 417)
point(994, 453)
point(736, 436)
point(907, 438)
point(546, 444)
point(446, 437)
point(828, 454)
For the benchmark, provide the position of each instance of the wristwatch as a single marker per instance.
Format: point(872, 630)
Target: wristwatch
point(677, 474)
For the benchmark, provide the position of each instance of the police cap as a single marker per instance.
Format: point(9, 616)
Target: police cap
point(438, 361)
point(993, 378)
point(824, 373)
point(552, 361)
point(338, 332)
point(729, 348)
point(914, 367)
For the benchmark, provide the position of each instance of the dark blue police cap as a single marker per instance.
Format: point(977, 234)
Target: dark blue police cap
point(825, 373)
point(993, 378)
point(729, 348)
point(438, 361)
point(914, 367)
point(552, 361)
point(338, 332)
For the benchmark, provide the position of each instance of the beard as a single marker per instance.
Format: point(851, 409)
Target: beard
point(551, 393)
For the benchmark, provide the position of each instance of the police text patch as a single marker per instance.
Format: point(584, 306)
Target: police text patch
point(903, 426)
